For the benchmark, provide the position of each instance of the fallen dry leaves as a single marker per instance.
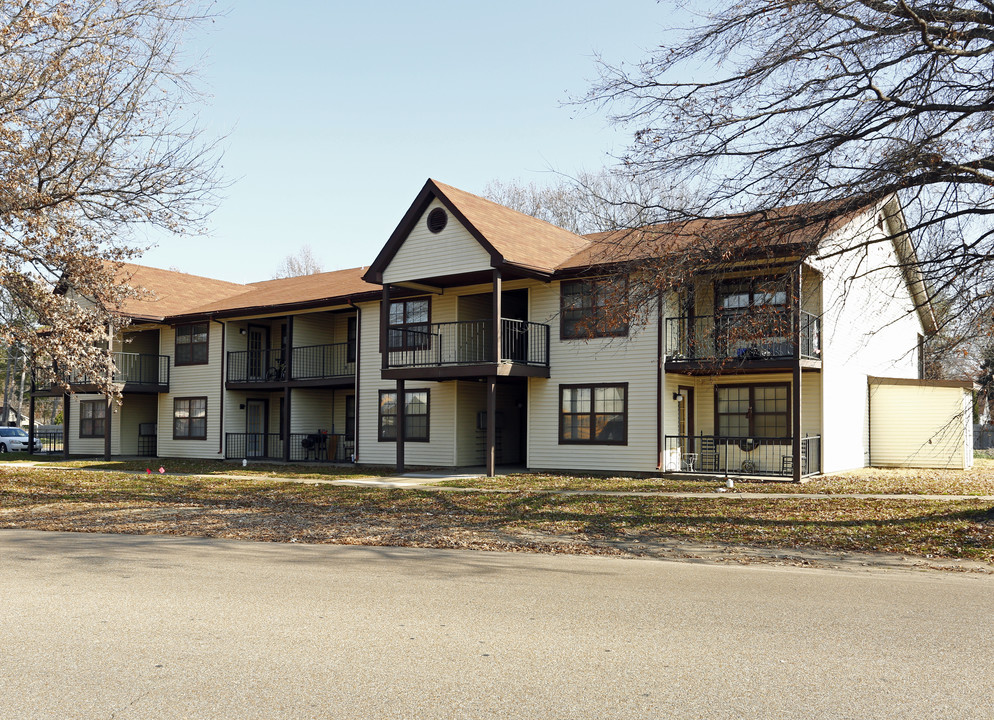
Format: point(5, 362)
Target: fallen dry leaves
point(521, 521)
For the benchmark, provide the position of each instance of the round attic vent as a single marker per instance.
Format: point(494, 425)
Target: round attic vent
point(437, 219)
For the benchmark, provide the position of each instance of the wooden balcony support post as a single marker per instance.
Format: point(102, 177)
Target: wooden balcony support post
point(285, 430)
point(384, 322)
point(109, 411)
point(31, 413)
point(491, 426)
point(66, 404)
point(401, 425)
point(498, 354)
point(288, 360)
point(796, 379)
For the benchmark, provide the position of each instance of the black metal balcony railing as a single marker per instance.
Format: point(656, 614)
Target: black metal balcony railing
point(745, 336)
point(717, 455)
point(321, 361)
point(315, 447)
point(471, 342)
point(314, 362)
point(133, 369)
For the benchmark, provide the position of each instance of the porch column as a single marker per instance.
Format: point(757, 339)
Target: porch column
point(31, 414)
point(384, 322)
point(401, 423)
point(497, 314)
point(109, 410)
point(491, 426)
point(285, 429)
point(66, 403)
point(796, 379)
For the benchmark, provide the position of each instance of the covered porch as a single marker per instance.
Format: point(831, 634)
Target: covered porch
point(758, 424)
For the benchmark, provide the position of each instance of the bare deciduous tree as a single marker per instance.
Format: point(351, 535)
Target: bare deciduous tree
point(847, 101)
point(302, 263)
point(95, 140)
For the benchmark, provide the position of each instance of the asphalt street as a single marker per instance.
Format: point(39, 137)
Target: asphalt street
point(118, 626)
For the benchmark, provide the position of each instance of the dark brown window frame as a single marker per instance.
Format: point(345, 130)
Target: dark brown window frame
point(188, 399)
point(592, 413)
point(405, 327)
point(176, 345)
point(349, 418)
point(592, 331)
point(379, 416)
point(752, 399)
point(96, 432)
point(352, 337)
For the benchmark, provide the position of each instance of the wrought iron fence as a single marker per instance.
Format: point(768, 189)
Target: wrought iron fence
point(741, 336)
point(471, 342)
point(320, 447)
point(259, 446)
point(51, 441)
point(316, 362)
point(712, 454)
point(257, 365)
point(129, 369)
point(314, 447)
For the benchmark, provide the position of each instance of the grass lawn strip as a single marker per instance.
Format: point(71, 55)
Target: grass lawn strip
point(525, 521)
point(979, 480)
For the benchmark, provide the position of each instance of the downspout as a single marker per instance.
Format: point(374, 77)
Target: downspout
point(659, 380)
point(224, 357)
point(355, 401)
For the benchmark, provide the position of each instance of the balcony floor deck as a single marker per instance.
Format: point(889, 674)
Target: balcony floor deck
point(733, 366)
point(455, 372)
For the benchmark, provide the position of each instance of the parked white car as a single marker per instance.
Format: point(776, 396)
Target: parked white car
point(15, 440)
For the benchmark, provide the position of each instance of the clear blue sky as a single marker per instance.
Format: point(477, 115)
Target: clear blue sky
point(336, 114)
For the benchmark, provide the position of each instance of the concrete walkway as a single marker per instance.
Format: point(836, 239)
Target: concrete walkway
point(426, 481)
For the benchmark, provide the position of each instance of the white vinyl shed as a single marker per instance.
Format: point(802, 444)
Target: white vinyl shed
point(920, 423)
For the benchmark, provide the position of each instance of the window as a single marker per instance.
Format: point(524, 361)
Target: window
point(407, 328)
point(351, 336)
point(191, 344)
point(190, 418)
point(350, 417)
point(92, 417)
point(415, 416)
point(593, 308)
point(753, 410)
point(752, 318)
point(593, 414)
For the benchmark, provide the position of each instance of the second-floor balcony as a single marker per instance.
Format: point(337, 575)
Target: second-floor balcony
point(468, 348)
point(135, 372)
point(736, 340)
point(309, 365)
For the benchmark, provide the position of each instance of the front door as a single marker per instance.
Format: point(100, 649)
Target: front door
point(258, 343)
point(256, 412)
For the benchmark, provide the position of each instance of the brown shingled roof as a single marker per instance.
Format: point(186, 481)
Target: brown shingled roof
point(172, 292)
point(302, 290)
point(791, 229)
point(520, 239)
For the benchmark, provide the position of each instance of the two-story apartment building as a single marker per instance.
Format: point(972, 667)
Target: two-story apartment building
point(482, 336)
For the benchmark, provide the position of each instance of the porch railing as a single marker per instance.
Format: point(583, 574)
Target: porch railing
point(718, 455)
point(314, 447)
point(135, 369)
point(469, 342)
point(317, 362)
point(313, 362)
point(746, 336)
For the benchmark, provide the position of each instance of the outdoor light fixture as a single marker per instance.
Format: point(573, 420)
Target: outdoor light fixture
point(241, 331)
point(678, 397)
point(242, 406)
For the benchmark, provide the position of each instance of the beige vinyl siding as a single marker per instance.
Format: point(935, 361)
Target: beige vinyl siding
point(135, 409)
point(869, 327)
point(92, 446)
point(425, 254)
point(633, 360)
point(920, 426)
point(192, 381)
point(440, 450)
